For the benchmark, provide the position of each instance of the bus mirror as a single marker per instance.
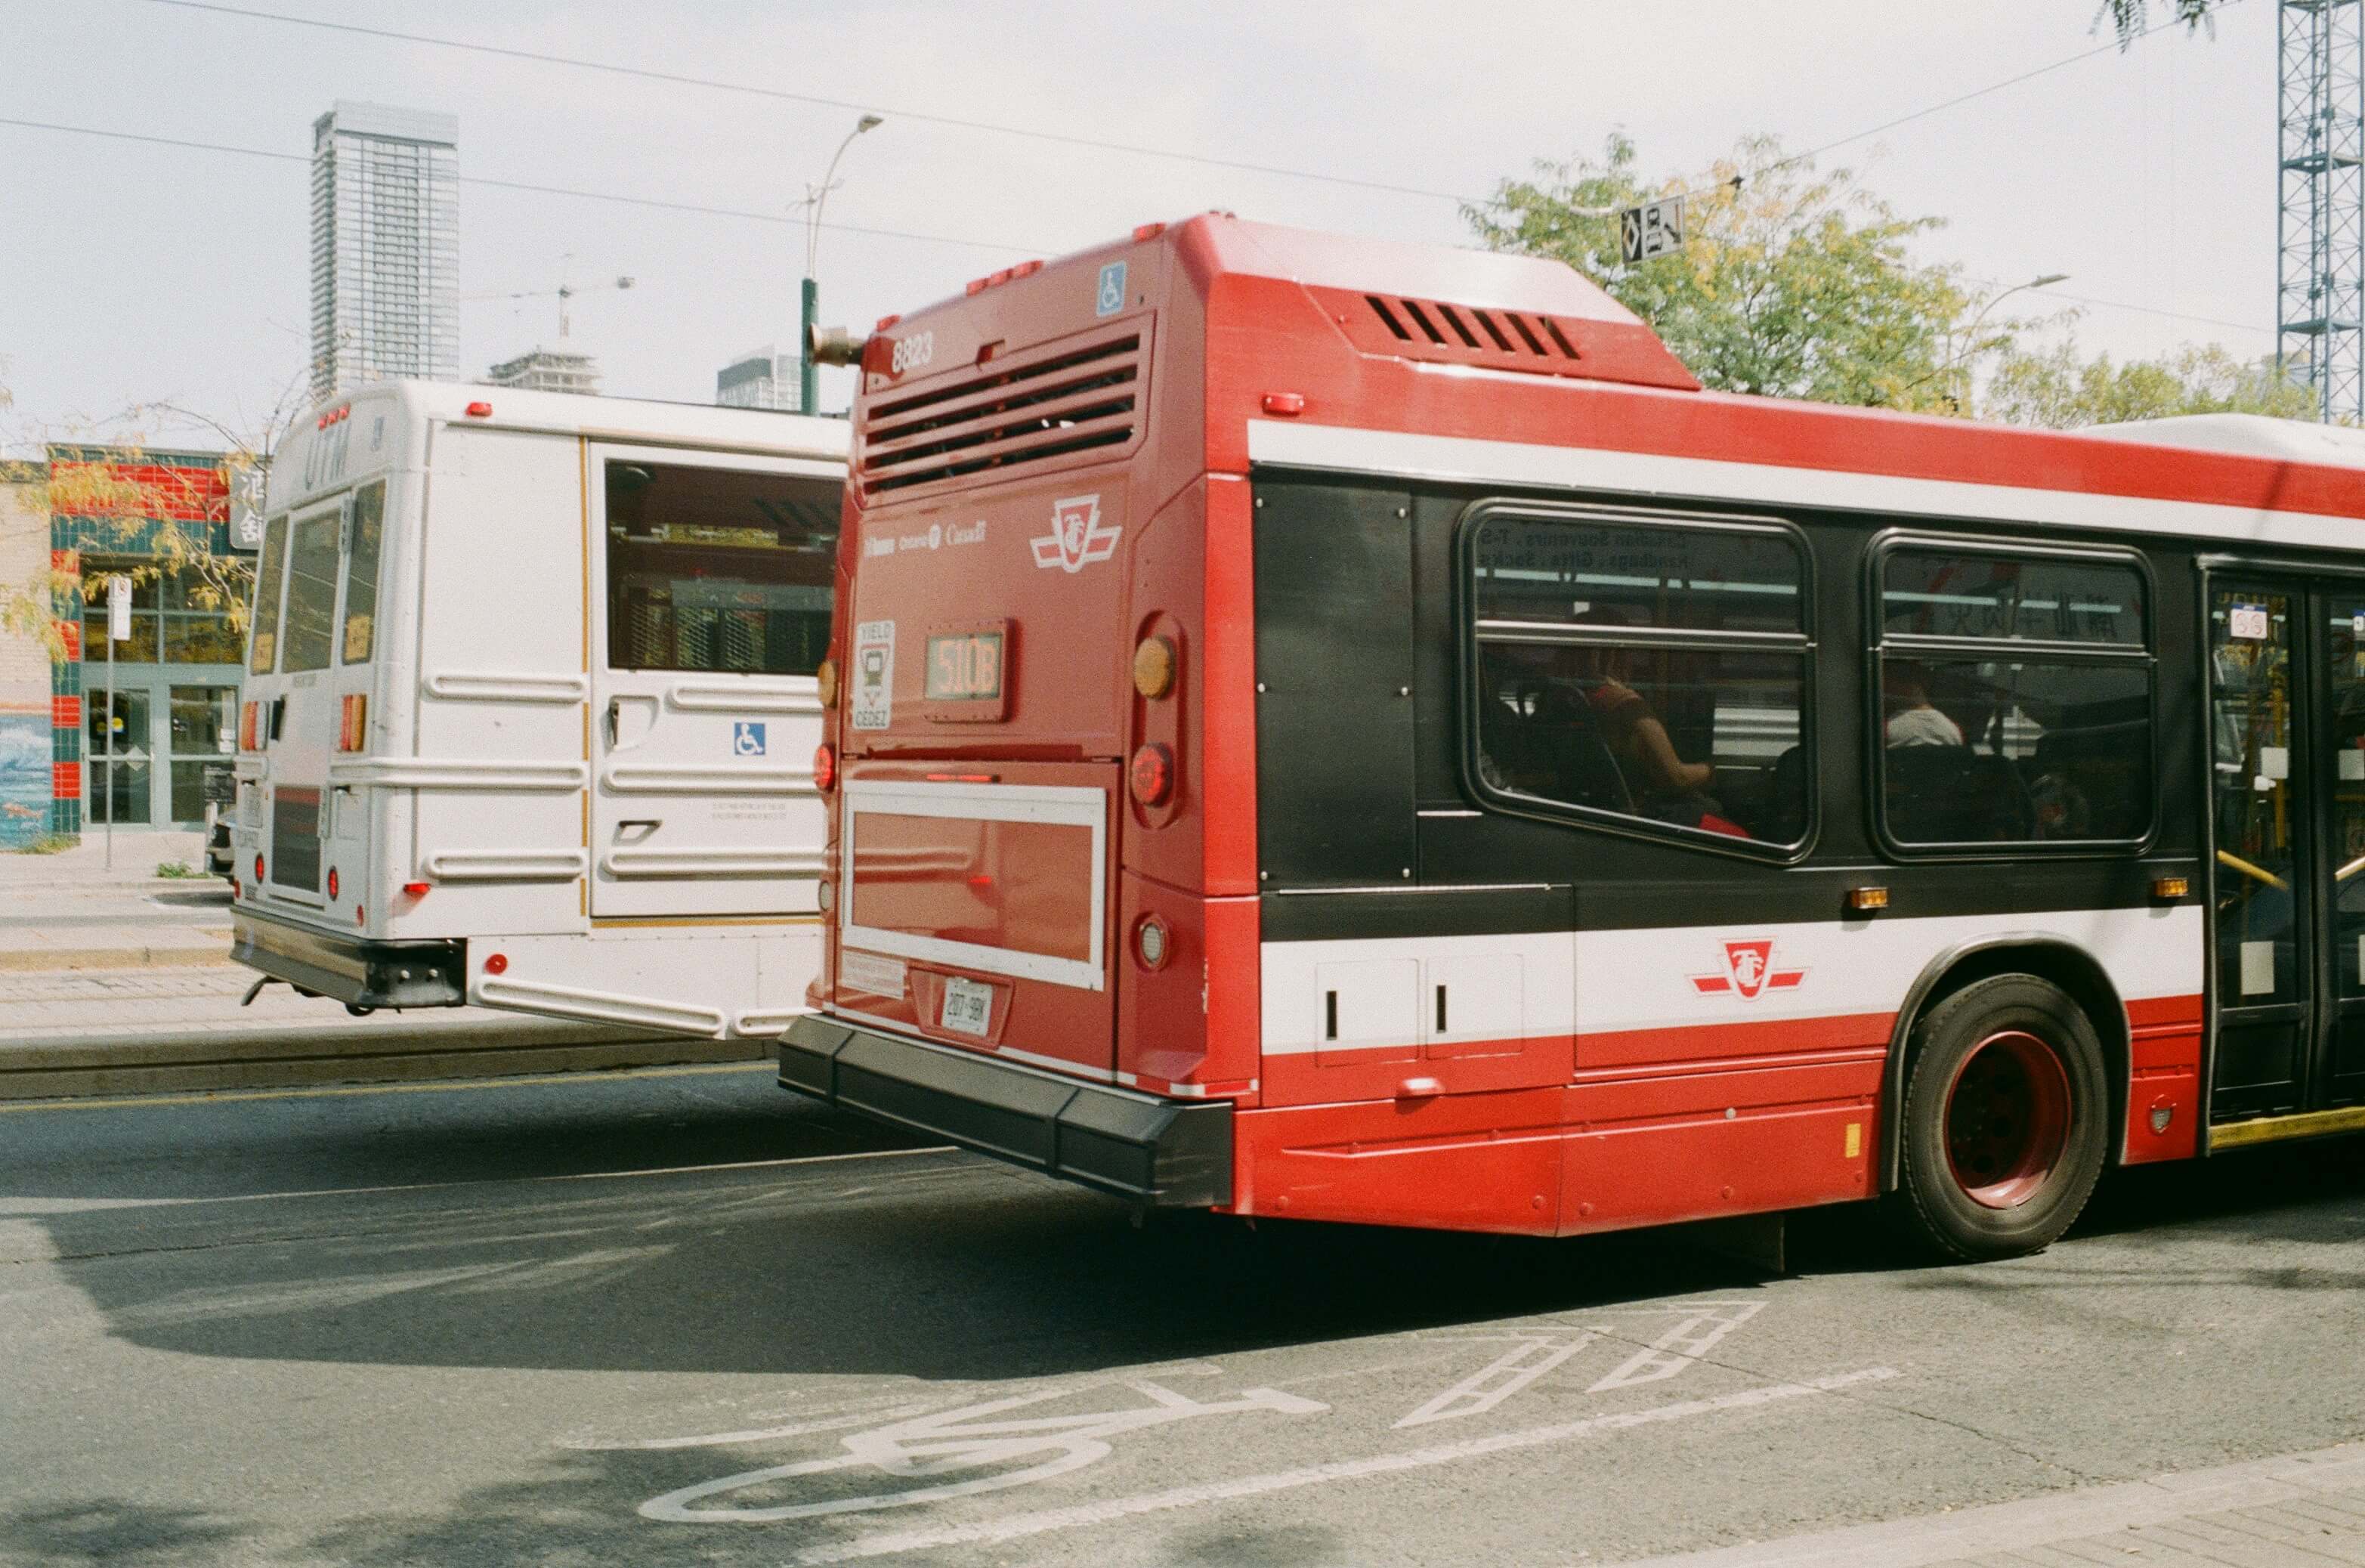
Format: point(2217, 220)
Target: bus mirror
point(833, 346)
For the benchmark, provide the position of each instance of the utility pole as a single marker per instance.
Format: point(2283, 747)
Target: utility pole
point(2320, 294)
point(808, 378)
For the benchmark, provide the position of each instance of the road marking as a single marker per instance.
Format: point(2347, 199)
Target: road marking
point(78, 1205)
point(966, 1438)
point(1498, 1380)
point(1020, 1526)
point(1681, 1346)
point(592, 1075)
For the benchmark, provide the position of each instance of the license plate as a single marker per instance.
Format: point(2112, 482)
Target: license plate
point(969, 1006)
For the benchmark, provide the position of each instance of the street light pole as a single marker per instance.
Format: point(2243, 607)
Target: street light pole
point(1972, 331)
point(808, 377)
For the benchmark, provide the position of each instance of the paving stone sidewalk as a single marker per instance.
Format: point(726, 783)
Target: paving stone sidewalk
point(2304, 1510)
point(70, 911)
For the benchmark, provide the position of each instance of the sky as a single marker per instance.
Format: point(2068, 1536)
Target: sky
point(133, 273)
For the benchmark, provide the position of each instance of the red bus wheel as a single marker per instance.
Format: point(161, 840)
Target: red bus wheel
point(2004, 1121)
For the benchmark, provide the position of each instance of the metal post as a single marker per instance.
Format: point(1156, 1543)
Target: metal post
point(106, 738)
point(808, 377)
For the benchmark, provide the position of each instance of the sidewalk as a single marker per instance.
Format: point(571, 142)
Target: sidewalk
point(120, 983)
point(2302, 1510)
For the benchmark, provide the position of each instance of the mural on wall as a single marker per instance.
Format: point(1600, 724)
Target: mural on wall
point(23, 776)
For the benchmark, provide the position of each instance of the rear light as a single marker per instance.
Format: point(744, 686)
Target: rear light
point(1148, 232)
point(498, 964)
point(361, 915)
point(1152, 775)
point(479, 410)
point(352, 723)
point(1285, 404)
point(246, 727)
point(1153, 668)
point(415, 889)
point(257, 870)
point(825, 767)
point(1152, 942)
point(825, 683)
point(332, 881)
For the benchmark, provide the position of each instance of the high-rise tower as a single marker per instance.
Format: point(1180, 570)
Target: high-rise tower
point(2320, 300)
point(385, 245)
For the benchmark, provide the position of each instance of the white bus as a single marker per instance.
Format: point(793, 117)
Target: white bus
point(530, 712)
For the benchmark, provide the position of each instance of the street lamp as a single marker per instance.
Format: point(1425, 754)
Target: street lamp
point(808, 379)
point(2044, 280)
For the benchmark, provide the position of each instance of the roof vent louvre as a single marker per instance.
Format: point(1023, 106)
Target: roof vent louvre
point(1028, 410)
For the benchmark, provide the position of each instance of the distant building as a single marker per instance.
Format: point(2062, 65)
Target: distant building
point(385, 246)
point(760, 378)
point(543, 369)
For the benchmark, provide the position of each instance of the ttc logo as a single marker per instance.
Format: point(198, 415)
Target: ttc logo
point(746, 739)
point(1077, 537)
point(1749, 972)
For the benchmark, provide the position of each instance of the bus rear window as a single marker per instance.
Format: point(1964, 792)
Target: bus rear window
point(311, 592)
point(361, 574)
point(270, 581)
point(718, 569)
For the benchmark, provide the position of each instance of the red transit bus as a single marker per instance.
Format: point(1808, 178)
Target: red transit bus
point(1353, 731)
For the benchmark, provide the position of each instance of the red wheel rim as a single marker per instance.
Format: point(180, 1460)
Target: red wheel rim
point(2007, 1119)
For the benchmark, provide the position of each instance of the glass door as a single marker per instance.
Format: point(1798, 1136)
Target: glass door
point(2286, 816)
point(121, 753)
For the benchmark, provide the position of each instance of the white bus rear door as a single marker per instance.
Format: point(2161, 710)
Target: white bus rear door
point(709, 600)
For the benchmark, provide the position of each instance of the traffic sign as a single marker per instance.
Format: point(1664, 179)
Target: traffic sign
point(1653, 228)
point(118, 609)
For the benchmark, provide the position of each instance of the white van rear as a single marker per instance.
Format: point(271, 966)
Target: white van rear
point(529, 713)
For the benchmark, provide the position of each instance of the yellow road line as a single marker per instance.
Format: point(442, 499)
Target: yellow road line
point(224, 1096)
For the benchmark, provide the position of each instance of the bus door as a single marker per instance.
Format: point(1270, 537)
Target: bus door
point(2286, 816)
point(710, 594)
point(300, 723)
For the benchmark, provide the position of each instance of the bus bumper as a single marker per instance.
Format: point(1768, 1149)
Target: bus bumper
point(1160, 1152)
point(359, 973)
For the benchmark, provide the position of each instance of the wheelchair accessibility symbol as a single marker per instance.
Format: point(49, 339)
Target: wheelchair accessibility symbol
point(746, 738)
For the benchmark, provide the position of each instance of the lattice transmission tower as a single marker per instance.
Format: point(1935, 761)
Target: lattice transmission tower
point(2320, 299)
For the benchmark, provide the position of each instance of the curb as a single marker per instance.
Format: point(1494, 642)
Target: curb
point(185, 1061)
point(41, 960)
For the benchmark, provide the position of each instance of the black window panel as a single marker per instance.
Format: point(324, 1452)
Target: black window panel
point(2015, 750)
point(717, 569)
point(1334, 656)
point(1961, 593)
point(1610, 574)
point(1703, 739)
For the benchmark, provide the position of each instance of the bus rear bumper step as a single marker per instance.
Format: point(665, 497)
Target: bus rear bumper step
point(357, 973)
point(1159, 1152)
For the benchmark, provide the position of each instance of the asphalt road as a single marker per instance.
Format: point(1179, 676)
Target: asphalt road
point(678, 1316)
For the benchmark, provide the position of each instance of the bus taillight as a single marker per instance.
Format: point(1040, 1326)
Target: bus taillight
point(246, 727)
point(825, 767)
point(1152, 775)
point(352, 723)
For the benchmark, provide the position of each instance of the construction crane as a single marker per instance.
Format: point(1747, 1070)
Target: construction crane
point(563, 292)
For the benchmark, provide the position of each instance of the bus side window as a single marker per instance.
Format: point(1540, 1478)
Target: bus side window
point(271, 580)
point(718, 569)
point(367, 533)
point(1648, 667)
point(2015, 695)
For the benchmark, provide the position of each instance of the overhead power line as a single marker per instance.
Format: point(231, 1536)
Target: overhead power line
point(577, 193)
point(782, 95)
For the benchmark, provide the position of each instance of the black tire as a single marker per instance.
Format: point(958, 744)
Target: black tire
point(2035, 1176)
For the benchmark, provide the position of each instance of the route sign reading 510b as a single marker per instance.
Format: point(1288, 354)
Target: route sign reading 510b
point(1651, 229)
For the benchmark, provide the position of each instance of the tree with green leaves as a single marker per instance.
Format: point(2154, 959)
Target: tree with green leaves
point(1790, 282)
point(2060, 389)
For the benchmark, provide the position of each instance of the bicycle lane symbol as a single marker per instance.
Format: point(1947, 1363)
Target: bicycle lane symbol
point(949, 1443)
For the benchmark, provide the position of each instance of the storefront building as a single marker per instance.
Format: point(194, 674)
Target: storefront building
point(134, 736)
